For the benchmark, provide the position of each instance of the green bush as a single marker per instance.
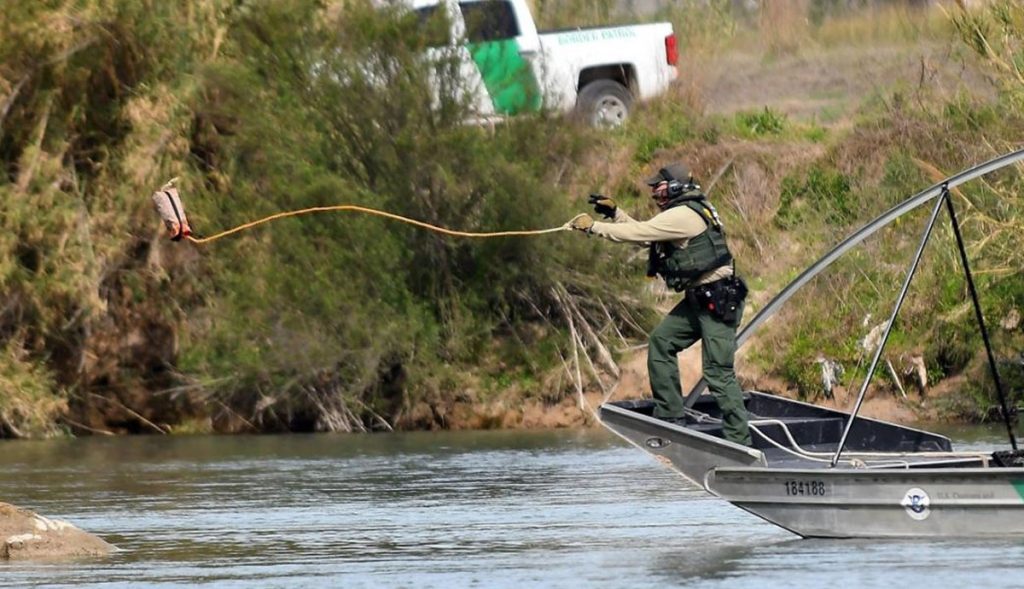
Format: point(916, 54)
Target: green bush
point(324, 321)
point(31, 402)
point(346, 299)
point(822, 195)
point(763, 122)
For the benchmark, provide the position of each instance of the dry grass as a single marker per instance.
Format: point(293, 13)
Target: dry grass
point(794, 27)
point(891, 24)
point(784, 26)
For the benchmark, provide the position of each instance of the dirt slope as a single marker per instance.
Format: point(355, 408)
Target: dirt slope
point(825, 87)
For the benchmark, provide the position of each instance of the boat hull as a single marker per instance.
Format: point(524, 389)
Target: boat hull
point(689, 452)
point(879, 503)
point(693, 449)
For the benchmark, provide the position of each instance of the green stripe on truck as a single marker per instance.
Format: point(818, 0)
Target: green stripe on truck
point(508, 77)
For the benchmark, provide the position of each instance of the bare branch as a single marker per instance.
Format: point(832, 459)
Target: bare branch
point(373, 413)
point(131, 412)
point(9, 102)
point(94, 430)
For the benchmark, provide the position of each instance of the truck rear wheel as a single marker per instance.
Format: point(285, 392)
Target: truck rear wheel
point(604, 103)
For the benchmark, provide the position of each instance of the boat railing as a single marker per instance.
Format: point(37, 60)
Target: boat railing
point(860, 459)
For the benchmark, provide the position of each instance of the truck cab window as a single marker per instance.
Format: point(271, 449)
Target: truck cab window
point(492, 20)
point(434, 26)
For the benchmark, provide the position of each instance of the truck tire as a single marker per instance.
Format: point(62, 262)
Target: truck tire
point(604, 103)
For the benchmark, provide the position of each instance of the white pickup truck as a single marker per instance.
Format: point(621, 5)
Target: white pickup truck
point(509, 67)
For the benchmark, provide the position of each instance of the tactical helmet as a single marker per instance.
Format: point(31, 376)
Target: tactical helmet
point(677, 175)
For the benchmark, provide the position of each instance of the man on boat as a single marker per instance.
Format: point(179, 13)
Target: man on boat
point(689, 251)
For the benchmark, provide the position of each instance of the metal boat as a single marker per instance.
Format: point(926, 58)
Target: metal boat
point(915, 500)
point(824, 473)
point(893, 481)
point(785, 432)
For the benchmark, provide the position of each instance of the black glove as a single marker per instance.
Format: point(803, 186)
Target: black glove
point(603, 205)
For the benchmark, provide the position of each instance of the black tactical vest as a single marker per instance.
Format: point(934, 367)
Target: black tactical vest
point(681, 266)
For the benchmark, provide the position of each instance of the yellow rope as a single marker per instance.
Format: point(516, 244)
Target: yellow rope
point(382, 214)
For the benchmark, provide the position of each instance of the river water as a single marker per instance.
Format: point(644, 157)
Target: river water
point(454, 509)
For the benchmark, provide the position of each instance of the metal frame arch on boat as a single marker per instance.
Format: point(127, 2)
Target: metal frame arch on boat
point(855, 239)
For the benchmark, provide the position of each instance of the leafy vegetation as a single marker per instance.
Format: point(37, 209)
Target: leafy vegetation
point(347, 322)
point(315, 323)
point(818, 192)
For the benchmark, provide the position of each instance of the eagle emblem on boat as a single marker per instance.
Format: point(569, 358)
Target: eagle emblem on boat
point(917, 503)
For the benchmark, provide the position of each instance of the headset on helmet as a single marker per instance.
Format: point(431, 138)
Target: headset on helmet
point(678, 178)
point(676, 188)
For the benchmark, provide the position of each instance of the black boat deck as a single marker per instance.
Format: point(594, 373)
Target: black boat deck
point(793, 434)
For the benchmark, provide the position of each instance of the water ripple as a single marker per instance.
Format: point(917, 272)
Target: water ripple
point(491, 509)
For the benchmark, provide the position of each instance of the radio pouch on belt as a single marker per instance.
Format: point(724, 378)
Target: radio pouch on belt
point(722, 298)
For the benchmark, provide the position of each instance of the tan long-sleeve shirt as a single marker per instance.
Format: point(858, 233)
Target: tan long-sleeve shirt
point(678, 225)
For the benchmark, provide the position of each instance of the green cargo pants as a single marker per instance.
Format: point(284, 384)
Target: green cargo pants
point(683, 326)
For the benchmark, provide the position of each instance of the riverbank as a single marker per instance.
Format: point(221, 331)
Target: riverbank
point(801, 130)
